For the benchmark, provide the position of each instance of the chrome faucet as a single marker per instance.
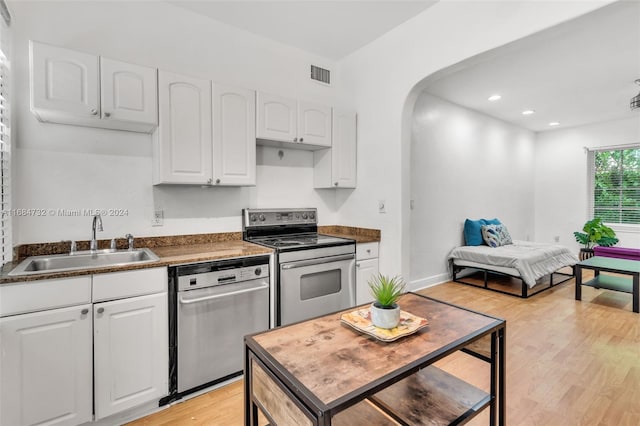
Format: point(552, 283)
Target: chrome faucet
point(129, 238)
point(97, 220)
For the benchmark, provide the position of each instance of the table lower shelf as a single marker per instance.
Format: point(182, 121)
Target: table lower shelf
point(611, 282)
point(432, 396)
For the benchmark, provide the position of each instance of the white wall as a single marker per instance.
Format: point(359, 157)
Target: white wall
point(68, 167)
point(561, 178)
point(382, 80)
point(464, 165)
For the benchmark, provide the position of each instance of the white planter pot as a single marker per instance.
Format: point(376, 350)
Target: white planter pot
point(385, 318)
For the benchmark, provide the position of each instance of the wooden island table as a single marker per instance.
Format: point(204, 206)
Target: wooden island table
point(323, 372)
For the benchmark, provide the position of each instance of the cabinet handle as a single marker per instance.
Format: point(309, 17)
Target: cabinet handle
point(100, 310)
point(84, 311)
point(295, 139)
point(107, 114)
point(210, 181)
point(217, 180)
point(94, 112)
point(301, 139)
point(335, 184)
point(369, 251)
point(357, 265)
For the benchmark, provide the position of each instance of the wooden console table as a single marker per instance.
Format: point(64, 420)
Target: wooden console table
point(322, 372)
point(611, 282)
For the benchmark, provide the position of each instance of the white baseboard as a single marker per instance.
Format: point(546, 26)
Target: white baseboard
point(429, 281)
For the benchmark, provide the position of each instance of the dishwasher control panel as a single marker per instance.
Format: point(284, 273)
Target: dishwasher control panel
point(219, 273)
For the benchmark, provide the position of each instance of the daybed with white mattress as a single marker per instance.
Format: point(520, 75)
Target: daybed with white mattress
point(524, 260)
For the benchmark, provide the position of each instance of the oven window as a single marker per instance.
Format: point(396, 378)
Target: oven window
point(320, 284)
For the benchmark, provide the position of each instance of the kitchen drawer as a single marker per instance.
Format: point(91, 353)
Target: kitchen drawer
point(31, 296)
point(366, 251)
point(118, 285)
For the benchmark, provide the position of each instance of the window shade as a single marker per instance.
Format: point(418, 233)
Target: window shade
point(5, 155)
point(616, 185)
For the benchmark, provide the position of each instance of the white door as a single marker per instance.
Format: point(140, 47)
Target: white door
point(64, 81)
point(184, 130)
point(343, 151)
point(314, 124)
point(46, 367)
point(234, 135)
point(276, 118)
point(128, 92)
point(131, 346)
point(365, 270)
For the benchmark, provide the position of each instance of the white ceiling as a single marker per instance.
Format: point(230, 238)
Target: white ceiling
point(576, 73)
point(332, 29)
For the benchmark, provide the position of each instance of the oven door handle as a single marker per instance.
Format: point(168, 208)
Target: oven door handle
point(320, 261)
point(184, 301)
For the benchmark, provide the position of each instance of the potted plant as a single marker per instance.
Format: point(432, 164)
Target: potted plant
point(385, 312)
point(595, 233)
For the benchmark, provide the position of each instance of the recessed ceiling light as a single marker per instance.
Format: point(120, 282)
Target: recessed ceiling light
point(554, 123)
point(528, 112)
point(494, 97)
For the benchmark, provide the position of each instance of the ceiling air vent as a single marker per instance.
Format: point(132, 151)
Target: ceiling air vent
point(320, 74)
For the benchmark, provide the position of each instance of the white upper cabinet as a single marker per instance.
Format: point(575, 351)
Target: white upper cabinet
point(64, 83)
point(206, 134)
point(277, 118)
point(336, 167)
point(129, 93)
point(72, 87)
point(234, 135)
point(292, 124)
point(314, 124)
point(183, 153)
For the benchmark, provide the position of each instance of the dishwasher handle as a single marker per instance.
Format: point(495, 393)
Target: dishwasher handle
point(320, 261)
point(184, 301)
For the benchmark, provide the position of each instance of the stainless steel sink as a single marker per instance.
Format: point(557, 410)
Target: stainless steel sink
point(83, 260)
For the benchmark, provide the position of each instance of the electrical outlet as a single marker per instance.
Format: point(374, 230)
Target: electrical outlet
point(158, 218)
point(381, 207)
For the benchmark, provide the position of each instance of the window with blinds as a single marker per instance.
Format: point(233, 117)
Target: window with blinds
point(6, 245)
point(616, 185)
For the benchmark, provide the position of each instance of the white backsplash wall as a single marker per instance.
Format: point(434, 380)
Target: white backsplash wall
point(69, 167)
point(464, 165)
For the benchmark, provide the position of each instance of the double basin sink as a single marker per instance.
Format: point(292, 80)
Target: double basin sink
point(83, 260)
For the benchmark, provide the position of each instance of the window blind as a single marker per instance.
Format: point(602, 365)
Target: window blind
point(615, 181)
point(6, 246)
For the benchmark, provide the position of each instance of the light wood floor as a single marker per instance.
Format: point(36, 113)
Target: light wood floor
point(568, 362)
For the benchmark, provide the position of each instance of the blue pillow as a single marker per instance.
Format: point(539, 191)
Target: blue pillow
point(473, 230)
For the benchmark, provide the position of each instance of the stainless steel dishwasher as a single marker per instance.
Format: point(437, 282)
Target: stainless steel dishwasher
point(217, 304)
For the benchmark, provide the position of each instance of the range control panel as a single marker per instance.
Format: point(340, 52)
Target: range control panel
point(271, 217)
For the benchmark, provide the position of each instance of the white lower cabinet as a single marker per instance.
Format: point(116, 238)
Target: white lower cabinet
point(46, 366)
point(366, 268)
point(71, 365)
point(130, 352)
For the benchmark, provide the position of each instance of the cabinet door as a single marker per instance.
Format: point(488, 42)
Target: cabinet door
point(336, 167)
point(343, 151)
point(46, 365)
point(234, 135)
point(314, 124)
point(128, 92)
point(63, 82)
point(130, 353)
point(365, 270)
point(184, 131)
point(276, 118)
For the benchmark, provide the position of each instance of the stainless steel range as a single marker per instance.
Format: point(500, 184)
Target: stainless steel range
point(314, 273)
